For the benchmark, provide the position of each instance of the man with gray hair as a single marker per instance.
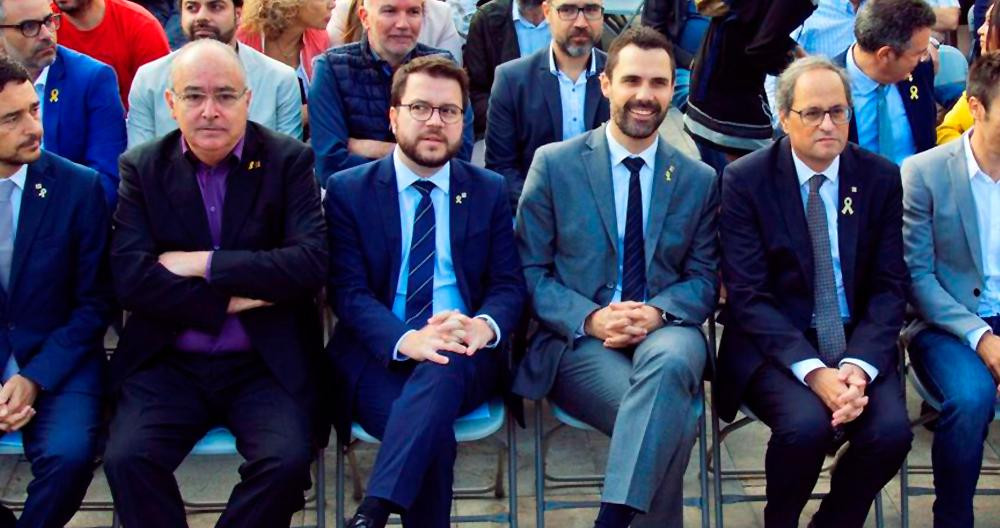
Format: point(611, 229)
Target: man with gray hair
point(218, 252)
point(892, 78)
point(812, 260)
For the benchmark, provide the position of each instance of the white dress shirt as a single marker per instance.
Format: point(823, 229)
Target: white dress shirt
point(986, 195)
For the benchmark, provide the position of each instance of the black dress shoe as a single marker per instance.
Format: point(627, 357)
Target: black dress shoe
point(359, 520)
point(7, 518)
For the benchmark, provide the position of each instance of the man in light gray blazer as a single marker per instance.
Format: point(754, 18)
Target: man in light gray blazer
point(951, 232)
point(275, 97)
point(618, 236)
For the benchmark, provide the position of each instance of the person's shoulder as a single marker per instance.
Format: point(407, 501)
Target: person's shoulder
point(77, 63)
point(136, 17)
point(152, 153)
point(569, 149)
point(497, 7)
point(423, 50)
point(479, 175)
point(869, 162)
point(350, 184)
point(261, 65)
point(154, 69)
point(277, 142)
point(73, 179)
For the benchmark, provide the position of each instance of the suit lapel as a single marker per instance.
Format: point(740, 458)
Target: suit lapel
point(387, 196)
point(549, 86)
point(458, 203)
point(790, 201)
point(33, 208)
point(184, 195)
point(850, 191)
point(597, 163)
point(242, 186)
point(51, 105)
point(659, 204)
point(957, 169)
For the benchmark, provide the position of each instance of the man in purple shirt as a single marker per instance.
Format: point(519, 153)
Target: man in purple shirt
point(218, 253)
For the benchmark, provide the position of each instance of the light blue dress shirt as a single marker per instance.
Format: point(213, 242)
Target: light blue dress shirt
point(17, 179)
point(864, 92)
point(43, 77)
point(530, 37)
point(446, 294)
point(619, 182)
point(986, 195)
point(828, 192)
point(572, 95)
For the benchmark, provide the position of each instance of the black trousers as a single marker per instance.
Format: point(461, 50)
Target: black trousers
point(801, 435)
point(166, 408)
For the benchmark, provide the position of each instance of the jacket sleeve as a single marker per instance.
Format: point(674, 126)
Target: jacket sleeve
point(502, 151)
point(505, 293)
point(140, 122)
point(288, 97)
point(106, 137)
point(477, 63)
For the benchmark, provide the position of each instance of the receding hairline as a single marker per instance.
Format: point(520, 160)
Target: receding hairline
point(206, 50)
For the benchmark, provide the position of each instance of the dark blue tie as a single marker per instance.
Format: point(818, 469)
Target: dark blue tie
point(634, 265)
point(420, 282)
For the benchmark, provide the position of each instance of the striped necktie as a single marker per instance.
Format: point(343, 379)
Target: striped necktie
point(634, 259)
point(420, 281)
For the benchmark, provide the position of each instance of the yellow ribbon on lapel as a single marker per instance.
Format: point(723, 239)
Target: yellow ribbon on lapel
point(54, 95)
point(848, 206)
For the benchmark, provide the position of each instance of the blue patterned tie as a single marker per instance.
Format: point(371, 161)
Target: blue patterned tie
point(634, 260)
point(829, 325)
point(420, 282)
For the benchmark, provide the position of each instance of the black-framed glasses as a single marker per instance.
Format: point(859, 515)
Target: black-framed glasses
point(813, 116)
point(421, 111)
point(31, 28)
point(569, 12)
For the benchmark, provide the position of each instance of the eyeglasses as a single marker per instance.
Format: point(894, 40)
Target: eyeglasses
point(569, 12)
point(840, 115)
point(224, 99)
point(421, 111)
point(31, 28)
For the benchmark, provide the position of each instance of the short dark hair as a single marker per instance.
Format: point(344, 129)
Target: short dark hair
point(645, 38)
point(11, 71)
point(891, 23)
point(437, 66)
point(984, 77)
point(180, 4)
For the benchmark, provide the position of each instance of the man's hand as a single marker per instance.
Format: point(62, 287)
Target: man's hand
point(647, 317)
point(17, 398)
point(186, 263)
point(370, 148)
point(441, 333)
point(242, 304)
point(613, 327)
point(989, 351)
point(474, 332)
point(825, 382)
point(853, 401)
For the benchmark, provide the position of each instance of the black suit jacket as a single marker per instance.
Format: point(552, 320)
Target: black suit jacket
point(767, 265)
point(273, 248)
point(492, 41)
point(520, 121)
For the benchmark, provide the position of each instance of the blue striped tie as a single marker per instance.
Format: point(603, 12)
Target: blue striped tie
point(420, 282)
point(634, 261)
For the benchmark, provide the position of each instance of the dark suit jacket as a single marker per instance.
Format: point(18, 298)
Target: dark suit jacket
point(58, 300)
point(921, 112)
point(83, 117)
point(362, 208)
point(767, 265)
point(520, 121)
point(273, 248)
point(492, 41)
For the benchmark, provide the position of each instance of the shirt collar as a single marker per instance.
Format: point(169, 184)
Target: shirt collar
point(517, 18)
point(44, 76)
point(619, 153)
point(971, 165)
point(236, 153)
point(18, 177)
point(805, 173)
point(861, 83)
point(591, 70)
point(405, 177)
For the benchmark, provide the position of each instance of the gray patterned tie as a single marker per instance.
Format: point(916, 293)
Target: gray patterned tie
point(829, 326)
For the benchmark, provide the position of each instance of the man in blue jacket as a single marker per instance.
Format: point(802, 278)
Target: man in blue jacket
point(81, 112)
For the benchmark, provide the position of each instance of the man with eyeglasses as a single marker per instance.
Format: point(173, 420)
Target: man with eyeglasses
point(277, 99)
point(812, 262)
point(551, 95)
point(218, 252)
point(81, 111)
point(427, 287)
point(119, 33)
point(892, 78)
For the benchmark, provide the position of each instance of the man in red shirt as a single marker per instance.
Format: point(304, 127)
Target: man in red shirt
point(119, 33)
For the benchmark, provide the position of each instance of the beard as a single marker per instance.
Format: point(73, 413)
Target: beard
point(574, 50)
point(20, 156)
point(216, 33)
point(529, 3)
point(72, 7)
point(412, 150)
point(634, 129)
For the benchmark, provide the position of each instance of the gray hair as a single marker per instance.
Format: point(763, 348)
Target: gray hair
point(891, 23)
point(207, 44)
point(790, 77)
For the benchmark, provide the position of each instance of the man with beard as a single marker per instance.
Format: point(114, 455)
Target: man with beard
point(55, 301)
point(119, 33)
point(277, 100)
point(569, 103)
point(812, 260)
point(617, 230)
point(73, 89)
point(427, 286)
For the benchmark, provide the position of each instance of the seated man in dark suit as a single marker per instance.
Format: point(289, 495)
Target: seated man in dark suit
point(55, 296)
point(892, 78)
point(551, 95)
point(427, 285)
point(812, 260)
point(219, 251)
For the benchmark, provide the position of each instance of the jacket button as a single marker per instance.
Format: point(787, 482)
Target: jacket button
point(11, 326)
point(609, 285)
point(976, 292)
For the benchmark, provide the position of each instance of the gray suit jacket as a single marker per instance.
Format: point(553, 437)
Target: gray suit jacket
point(568, 240)
point(941, 240)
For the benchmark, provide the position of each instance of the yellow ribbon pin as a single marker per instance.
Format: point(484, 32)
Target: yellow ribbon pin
point(913, 93)
point(54, 96)
point(848, 209)
point(460, 197)
point(253, 165)
point(669, 174)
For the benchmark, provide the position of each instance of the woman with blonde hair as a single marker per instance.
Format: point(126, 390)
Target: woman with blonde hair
point(290, 31)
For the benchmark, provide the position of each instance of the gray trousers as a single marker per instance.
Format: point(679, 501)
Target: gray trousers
point(644, 401)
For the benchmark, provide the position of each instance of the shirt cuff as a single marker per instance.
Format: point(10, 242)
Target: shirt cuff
point(496, 330)
point(208, 266)
point(863, 365)
point(974, 336)
point(396, 356)
point(802, 368)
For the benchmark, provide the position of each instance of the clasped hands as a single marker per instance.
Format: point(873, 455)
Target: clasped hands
point(17, 400)
point(195, 264)
point(842, 391)
point(449, 331)
point(623, 324)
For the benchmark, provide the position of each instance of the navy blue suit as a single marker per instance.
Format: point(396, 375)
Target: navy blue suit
point(520, 121)
point(83, 117)
point(53, 316)
point(412, 407)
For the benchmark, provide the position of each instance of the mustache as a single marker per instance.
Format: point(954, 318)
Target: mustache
point(644, 105)
point(32, 139)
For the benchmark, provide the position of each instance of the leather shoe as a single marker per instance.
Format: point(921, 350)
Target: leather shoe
point(361, 520)
point(7, 518)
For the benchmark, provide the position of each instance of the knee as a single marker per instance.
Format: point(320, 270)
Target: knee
point(122, 453)
point(676, 370)
point(69, 459)
point(449, 376)
point(809, 431)
point(287, 463)
point(973, 403)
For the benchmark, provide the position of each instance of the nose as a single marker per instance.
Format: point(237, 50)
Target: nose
point(827, 122)
point(210, 110)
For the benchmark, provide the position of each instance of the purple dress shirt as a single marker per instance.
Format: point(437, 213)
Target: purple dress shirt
point(212, 182)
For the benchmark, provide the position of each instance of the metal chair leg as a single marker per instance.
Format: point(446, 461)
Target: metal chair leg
point(339, 507)
point(115, 521)
point(539, 469)
point(703, 462)
point(879, 513)
point(512, 470)
point(321, 489)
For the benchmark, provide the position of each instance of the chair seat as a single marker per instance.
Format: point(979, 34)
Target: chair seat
point(485, 420)
point(11, 444)
point(218, 441)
